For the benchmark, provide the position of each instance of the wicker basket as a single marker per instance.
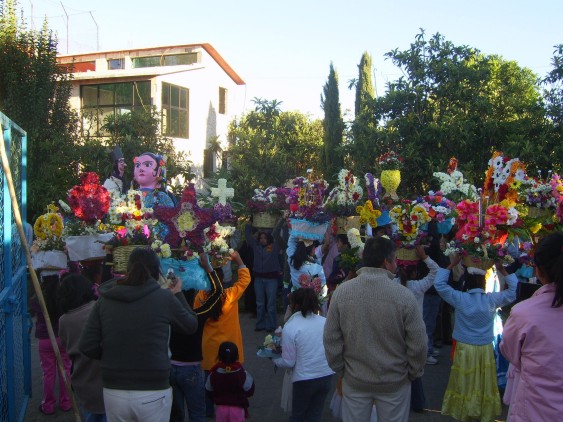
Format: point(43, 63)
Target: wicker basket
point(121, 257)
point(404, 254)
point(218, 262)
point(264, 220)
point(343, 224)
point(475, 262)
point(538, 213)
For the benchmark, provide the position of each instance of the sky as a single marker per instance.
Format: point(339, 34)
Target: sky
point(283, 50)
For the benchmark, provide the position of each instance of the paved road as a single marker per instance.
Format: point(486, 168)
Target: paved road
point(265, 405)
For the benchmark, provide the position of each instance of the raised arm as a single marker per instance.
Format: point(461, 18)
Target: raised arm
point(250, 239)
point(508, 295)
point(448, 293)
point(216, 287)
point(234, 293)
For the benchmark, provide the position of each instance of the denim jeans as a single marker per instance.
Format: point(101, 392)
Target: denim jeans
point(266, 294)
point(93, 417)
point(430, 308)
point(187, 386)
point(309, 398)
point(418, 399)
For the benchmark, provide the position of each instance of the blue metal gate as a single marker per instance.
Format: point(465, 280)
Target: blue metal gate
point(15, 361)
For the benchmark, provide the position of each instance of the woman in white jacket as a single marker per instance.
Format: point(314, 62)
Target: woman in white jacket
point(303, 351)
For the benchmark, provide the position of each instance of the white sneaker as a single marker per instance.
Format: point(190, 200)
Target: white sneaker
point(435, 353)
point(430, 360)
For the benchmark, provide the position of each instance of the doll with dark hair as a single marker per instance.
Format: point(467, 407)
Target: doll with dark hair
point(115, 183)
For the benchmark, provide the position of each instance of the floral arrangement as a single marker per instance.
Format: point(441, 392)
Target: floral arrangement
point(217, 243)
point(306, 199)
point(483, 233)
point(453, 185)
point(162, 249)
point(185, 222)
point(271, 200)
point(48, 229)
point(133, 223)
point(439, 207)
point(351, 257)
point(389, 161)
point(503, 178)
point(313, 282)
point(344, 198)
point(368, 214)
point(409, 216)
point(479, 251)
point(541, 194)
point(273, 343)
point(89, 201)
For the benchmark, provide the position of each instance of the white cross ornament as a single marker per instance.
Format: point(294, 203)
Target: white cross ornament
point(222, 191)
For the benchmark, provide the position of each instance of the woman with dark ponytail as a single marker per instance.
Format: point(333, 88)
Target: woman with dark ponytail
point(532, 341)
point(128, 331)
point(303, 351)
point(302, 262)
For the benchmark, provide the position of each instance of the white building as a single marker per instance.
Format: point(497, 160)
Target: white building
point(195, 88)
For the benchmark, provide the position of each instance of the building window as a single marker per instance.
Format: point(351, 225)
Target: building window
point(223, 100)
point(175, 110)
point(102, 100)
point(168, 60)
point(114, 64)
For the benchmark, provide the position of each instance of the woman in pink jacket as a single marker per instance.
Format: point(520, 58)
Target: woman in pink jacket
point(533, 343)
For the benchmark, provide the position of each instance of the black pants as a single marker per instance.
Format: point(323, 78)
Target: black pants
point(309, 398)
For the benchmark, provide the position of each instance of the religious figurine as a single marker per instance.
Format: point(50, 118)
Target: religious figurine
point(115, 183)
point(150, 178)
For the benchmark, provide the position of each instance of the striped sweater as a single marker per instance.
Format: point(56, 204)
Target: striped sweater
point(374, 334)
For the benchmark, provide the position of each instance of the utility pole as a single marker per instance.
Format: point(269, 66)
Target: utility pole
point(63, 6)
point(97, 32)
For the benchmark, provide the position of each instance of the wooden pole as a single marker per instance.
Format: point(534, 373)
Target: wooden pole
point(35, 280)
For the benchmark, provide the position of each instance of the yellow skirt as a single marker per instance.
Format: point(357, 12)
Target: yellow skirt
point(472, 391)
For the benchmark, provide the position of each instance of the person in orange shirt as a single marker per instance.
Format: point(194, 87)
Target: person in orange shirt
point(225, 326)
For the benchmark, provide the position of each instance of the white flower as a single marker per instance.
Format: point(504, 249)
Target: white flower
point(476, 240)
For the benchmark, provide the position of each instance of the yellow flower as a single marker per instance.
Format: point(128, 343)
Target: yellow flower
point(536, 228)
point(48, 225)
point(368, 214)
point(186, 221)
point(165, 250)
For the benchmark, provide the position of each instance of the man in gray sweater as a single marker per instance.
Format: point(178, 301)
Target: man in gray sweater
point(375, 338)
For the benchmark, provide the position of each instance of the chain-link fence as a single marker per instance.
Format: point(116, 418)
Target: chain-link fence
point(15, 362)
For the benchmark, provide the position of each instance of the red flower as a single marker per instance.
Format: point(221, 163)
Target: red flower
point(89, 201)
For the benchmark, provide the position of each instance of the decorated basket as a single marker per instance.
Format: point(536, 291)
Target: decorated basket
point(343, 224)
point(81, 248)
point(49, 260)
point(190, 273)
point(309, 230)
point(538, 213)
point(121, 257)
point(218, 262)
point(264, 220)
point(477, 262)
point(404, 254)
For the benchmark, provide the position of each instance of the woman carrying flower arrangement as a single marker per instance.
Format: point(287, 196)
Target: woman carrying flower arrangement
point(472, 390)
point(302, 262)
point(267, 271)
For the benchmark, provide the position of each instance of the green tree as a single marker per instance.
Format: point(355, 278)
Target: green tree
point(361, 148)
point(455, 101)
point(553, 96)
point(270, 146)
point(333, 126)
point(135, 132)
point(34, 92)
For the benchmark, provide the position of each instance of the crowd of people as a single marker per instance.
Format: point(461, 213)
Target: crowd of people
point(139, 348)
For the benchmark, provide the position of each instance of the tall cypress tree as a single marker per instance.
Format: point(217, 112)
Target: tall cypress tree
point(362, 149)
point(364, 90)
point(333, 126)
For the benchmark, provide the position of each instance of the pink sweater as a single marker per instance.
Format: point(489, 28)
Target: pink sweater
point(533, 343)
